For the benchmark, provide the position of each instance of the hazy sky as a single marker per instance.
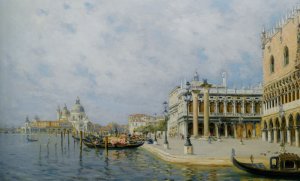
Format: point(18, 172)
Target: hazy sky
point(123, 57)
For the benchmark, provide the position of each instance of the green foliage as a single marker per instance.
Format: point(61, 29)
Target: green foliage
point(145, 129)
point(161, 126)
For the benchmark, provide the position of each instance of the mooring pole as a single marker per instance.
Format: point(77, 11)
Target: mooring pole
point(106, 145)
point(80, 138)
point(68, 138)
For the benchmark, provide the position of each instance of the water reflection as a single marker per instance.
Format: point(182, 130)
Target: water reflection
point(20, 159)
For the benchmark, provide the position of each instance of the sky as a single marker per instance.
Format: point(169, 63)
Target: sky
point(124, 57)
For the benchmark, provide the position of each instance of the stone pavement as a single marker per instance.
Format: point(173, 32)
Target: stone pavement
point(217, 153)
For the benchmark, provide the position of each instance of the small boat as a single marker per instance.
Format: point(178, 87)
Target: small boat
point(285, 165)
point(31, 139)
point(92, 144)
point(75, 138)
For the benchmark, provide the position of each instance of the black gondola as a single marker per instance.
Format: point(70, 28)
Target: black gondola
point(75, 138)
point(285, 165)
point(90, 144)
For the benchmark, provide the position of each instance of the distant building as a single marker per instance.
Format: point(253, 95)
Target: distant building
point(281, 75)
point(232, 112)
point(66, 121)
point(79, 119)
point(137, 120)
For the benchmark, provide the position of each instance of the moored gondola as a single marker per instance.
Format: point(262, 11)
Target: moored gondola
point(31, 139)
point(285, 165)
point(75, 138)
point(92, 144)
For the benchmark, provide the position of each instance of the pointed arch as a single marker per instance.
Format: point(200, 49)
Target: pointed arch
point(272, 64)
point(297, 119)
point(286, 55)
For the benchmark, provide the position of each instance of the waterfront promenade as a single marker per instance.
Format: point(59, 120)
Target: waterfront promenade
point(217, 153)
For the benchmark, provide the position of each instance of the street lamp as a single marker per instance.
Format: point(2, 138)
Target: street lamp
point(241, 123)
point(187, 98)
point(166, 143)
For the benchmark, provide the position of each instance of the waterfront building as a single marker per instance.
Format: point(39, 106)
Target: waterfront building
point(229, 111)
point(35, 126)
point(137, 120)
point(66, 121)
point(281, 76)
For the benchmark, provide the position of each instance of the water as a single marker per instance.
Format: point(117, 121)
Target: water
point(51, 159)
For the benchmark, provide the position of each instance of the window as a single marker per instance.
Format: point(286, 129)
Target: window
point(286, 55)
point(272, 63)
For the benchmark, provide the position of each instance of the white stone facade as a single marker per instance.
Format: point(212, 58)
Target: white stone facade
point(226, 108)
point(79, 119)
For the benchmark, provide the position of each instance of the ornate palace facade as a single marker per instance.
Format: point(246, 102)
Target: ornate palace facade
point(281, 74)
point(232, 112)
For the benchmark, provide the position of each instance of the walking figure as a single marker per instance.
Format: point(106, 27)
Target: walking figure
point(251, 159)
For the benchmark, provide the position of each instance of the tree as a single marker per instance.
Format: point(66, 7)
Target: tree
point(161, 126)
point(146, 129)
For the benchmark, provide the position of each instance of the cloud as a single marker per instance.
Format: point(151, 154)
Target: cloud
point(123, 57)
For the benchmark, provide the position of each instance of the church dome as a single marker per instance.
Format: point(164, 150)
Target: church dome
point(78, 108)
point(65, 112)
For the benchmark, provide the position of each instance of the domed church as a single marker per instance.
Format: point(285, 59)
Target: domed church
point(78, 118)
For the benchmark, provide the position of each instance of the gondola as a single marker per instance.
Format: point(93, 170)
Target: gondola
point(75, 138)
point(90, 144)
point(31, 139)
point(287, 165)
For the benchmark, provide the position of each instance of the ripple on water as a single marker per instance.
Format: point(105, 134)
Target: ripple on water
point(51, 159)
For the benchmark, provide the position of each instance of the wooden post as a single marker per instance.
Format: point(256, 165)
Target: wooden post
point(106, 145)
point(68, 137)
point(80, 138)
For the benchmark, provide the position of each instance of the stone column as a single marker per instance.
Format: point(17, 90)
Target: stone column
point(225, 107)
point(195, 113)
point(264, 135)
point(226, 131)
point(270, 135)
point(281, 135)
point(252, 107)
point(244, 127)
point(254, 130)
point(217, 130)
point(234, 107)
point(216, 107)
point(289, 138)
point(206, 112)
point(297, 136)
point(275, 135)
point(234, 130)
point(243, 107)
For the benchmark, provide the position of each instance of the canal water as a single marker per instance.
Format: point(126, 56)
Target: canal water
point(53, 159)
